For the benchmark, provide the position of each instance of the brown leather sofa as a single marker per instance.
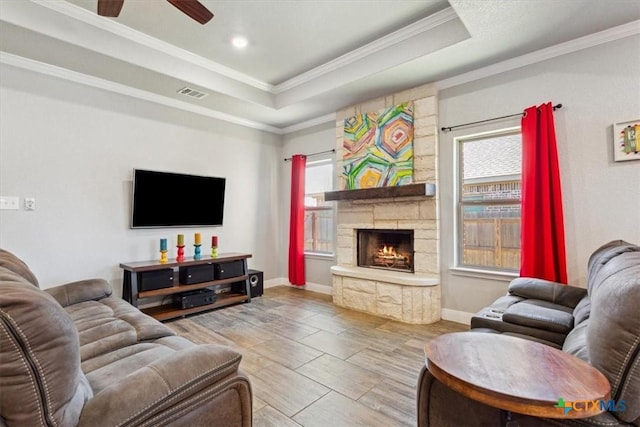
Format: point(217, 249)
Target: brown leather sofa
point(74, 355)
point(599, 324)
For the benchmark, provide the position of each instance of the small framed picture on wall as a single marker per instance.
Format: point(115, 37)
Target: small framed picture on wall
point(626, 141)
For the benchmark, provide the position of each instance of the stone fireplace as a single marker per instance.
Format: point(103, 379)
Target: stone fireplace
point(385, 249)
point(408, 290)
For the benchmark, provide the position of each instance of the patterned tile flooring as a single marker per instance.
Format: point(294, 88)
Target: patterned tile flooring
point(314, 364)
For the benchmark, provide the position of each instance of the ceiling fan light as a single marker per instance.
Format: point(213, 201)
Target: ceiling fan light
point(239, 42)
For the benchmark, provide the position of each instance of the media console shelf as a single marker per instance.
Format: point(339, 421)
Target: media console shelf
point(131, 292)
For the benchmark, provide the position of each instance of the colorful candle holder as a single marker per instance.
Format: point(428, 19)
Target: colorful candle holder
point(180, 256)
point(196, 252)
point(163, 257)
point(214, 246)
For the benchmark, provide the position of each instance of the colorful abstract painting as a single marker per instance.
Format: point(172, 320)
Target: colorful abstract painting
point(379, 148)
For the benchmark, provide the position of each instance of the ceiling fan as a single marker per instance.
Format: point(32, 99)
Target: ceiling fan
point(192, 8)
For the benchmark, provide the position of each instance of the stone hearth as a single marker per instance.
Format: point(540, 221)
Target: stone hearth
point(400, 296)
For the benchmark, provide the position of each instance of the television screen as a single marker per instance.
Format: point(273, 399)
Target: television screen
point(162, 199)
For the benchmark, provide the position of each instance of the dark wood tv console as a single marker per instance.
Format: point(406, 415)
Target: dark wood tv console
point(165, 311)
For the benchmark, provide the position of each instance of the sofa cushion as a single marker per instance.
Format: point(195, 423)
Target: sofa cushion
point(582, 311)
point(576, 342)
point(538, 289)
point(490, 318)
point(40, 379)
point(602, 256)
point(110, 323)
point(539, 316)
point(15, 264)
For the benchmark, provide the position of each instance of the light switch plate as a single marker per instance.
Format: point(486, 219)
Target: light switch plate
point(9, 203)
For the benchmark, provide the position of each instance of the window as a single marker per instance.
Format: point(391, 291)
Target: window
point(488, 211)
point(319, 216)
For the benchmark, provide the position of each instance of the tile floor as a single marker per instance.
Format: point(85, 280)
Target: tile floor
point(314, 364)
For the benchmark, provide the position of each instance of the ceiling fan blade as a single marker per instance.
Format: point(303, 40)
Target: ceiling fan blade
point(110, 8)
point(194, 9)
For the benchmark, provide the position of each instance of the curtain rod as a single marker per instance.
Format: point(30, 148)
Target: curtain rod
point(448, 129)
point(333, 150)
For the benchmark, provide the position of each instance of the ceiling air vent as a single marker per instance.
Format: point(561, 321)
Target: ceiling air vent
point(192, 93)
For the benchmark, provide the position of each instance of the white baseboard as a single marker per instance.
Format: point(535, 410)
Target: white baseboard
point(314, 287)
point(456, 316)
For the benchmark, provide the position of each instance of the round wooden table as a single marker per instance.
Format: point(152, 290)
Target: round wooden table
point(517, 375)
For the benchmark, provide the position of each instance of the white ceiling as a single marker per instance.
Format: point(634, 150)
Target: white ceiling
point(305, 59)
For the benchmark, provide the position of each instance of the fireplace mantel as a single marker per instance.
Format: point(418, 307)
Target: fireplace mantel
point(410, 190)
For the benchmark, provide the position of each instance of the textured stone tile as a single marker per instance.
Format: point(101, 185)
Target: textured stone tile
point(395, 400)
point(373, 106)
point(424, 145)
point(335, 409)
point(389, 293)
point(388, 364)
point(337, 290)
point(345, 378)
point(327, 323)
point(285, 390)
point(389, 310)
point(396, 212)
point(269, 417)
point(359, 300)
point(291, 329)
point(246, 335)
point(334, 344)
point(286, 352)
point(359, 285)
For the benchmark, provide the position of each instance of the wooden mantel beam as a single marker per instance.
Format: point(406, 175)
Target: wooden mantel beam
point(410, 190)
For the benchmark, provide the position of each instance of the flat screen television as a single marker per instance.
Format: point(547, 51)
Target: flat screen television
point(164, 199)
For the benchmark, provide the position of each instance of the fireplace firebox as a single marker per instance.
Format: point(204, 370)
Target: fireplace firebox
point(386, 249)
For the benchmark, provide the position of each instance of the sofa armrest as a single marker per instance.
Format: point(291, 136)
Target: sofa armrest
point(199, 383)
point(557, 293)
point(80, 291)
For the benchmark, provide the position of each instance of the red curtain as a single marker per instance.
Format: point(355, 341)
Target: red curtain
point(542, 236)
point(296, 224)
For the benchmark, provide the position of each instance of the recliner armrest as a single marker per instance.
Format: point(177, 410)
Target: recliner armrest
point(178, 383)
point(80, 291)
point(557, 293)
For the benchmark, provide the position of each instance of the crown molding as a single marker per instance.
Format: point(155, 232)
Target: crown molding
point(83, 15)
point(355, 55)
point(616, 33)
point(310, 123)
point(84, 79)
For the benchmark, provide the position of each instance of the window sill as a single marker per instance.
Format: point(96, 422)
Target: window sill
point(503, 276)
point(325, 257)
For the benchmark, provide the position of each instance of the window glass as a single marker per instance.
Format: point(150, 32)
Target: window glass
point(489, 200)
point(319, 215)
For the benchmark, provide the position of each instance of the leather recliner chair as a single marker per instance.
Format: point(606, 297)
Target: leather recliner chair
point(604, 331)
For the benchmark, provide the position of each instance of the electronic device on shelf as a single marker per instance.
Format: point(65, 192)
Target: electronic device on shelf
point(196, 274)
point(156, 279)
point(195, 298)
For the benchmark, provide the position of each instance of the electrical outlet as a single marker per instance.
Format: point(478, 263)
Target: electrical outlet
point(29, 204)
point(9, 203)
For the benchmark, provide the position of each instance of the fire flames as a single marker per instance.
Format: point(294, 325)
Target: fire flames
point(387, 256)
point(388, 251)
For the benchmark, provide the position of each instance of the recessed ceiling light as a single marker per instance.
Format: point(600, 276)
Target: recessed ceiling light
point(239, 42)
